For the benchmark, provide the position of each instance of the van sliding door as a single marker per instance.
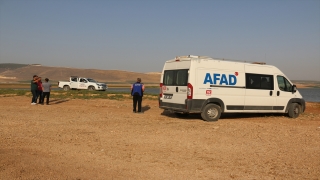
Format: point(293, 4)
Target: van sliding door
point(260, 94)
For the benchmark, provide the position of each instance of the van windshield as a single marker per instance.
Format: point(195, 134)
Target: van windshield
point(177, 77)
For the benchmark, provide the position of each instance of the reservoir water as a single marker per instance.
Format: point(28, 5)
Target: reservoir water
point(309, 94)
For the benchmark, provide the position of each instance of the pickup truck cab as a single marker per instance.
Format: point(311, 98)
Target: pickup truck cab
point(82, 83)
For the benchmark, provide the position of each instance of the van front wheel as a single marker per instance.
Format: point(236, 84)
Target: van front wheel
point(211, 112)
point(294, 110)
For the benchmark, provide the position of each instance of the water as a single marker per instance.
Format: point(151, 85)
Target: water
point(127, 90)
point(309, 94)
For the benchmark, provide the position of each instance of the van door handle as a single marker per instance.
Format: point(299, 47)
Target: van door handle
point(278, 93)
point(177, 89)
point(271, 92)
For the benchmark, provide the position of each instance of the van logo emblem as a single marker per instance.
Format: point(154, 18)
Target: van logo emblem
point(221, 79)
point(208, 92)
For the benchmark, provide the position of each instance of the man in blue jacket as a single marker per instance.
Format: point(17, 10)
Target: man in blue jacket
point(137, 90)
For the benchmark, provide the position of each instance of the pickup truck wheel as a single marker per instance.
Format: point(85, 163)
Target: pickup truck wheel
point(294, 110)
point(211, 112)
point(66, 88)
point(91, 88)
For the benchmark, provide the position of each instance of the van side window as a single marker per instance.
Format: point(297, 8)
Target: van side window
point(175, 77)
point(259, 81)
point(284, 84)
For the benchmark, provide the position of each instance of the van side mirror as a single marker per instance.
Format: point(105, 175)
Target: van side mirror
point(294, 88)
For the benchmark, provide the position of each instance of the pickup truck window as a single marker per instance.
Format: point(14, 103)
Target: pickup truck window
point(74, 79)
point(83, 80)
point(92, 80)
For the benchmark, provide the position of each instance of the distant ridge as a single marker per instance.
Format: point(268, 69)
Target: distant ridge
point(24, 72)
point(11, 66)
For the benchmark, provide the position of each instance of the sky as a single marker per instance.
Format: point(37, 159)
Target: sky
point(140, 35)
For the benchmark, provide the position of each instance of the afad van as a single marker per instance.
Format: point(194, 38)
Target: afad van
point(200, 84)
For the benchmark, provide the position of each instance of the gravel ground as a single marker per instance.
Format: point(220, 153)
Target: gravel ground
point(103, 139)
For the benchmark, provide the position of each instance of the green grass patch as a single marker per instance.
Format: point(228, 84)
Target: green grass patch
point(77, 94)
point(12, 92)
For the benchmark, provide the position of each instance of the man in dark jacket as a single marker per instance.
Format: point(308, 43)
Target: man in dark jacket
point(137, 90)
point(34, 88)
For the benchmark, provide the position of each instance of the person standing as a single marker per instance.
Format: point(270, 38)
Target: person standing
point(34, 88)
point(39, 91)
point(137, 90)
point(46, 91)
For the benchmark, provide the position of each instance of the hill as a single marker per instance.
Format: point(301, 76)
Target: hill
point(9, 66)
point(20, 73)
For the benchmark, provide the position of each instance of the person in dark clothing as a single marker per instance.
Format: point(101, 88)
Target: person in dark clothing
point(137, 90)
point(34, 88)
point(46, 91)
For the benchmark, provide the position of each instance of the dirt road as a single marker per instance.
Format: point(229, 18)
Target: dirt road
point(103, 139)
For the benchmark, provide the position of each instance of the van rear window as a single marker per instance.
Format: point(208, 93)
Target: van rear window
point(177, 77)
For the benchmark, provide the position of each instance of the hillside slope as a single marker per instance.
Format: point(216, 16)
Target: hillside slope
point(25, 73)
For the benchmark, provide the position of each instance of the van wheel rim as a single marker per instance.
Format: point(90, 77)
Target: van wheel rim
point(296, 110)
point(212, 113)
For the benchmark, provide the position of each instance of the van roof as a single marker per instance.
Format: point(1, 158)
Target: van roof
point(189, 57)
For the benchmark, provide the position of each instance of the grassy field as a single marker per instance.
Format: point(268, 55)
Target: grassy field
point(77, 94)
point(55, 85)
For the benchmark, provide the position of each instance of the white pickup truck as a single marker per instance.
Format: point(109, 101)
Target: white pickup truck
point(82, 83)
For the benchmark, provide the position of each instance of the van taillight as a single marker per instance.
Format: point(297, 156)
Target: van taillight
point(161, 90)
point(190, 91)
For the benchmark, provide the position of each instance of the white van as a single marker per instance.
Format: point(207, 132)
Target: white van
point(200, 84)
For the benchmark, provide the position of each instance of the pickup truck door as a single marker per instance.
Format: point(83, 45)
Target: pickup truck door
point(74, 83)
point(83, 83)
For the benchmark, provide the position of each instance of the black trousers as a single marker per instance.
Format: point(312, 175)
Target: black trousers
point(34, 96)
point(47, 96)
point(39, 95)
point(137, 99)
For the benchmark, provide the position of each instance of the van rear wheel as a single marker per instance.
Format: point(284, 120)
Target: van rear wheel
point(294, 110)
point(211, 112)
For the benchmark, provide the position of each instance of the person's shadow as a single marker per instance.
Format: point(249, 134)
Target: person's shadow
point(58, 101)
point(145, 108)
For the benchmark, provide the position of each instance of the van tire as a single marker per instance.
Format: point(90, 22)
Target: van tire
point(66, 88)
point(211, 112)
point(91, 88)
point(294, 110)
